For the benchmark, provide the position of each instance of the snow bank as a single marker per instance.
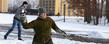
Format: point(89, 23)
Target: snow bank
point(73, 24)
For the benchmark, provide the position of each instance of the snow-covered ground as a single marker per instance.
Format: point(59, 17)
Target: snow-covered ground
point(73, 25)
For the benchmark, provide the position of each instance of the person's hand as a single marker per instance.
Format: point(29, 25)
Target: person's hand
point(64, 34)
point(67, 36)
point(23, 18)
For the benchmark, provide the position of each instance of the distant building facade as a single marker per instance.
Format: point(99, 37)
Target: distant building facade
point(49, 5)
point(3, 5)
point(53, 7)
point(68, 7)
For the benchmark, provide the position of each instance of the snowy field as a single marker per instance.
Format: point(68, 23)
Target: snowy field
point(73, 25)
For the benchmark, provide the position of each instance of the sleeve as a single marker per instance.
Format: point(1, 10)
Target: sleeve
point(29, 25)
point(54, 26)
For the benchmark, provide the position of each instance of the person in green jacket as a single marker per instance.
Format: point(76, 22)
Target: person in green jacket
point(42, 28)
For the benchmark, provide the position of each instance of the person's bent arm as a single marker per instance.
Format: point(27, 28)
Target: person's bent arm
point(27, 25)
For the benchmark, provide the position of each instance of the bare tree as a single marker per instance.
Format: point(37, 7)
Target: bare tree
point(87, 15)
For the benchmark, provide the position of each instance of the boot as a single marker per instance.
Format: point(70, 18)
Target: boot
point(5, 37)
point(19, 39)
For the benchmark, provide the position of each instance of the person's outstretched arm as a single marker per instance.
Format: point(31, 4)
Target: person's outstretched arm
point(27, 25)
point(55, 27)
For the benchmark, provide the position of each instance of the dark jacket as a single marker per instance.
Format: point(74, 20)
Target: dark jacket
point(42, 28)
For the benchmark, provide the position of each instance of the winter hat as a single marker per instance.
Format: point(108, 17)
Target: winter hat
point(25, 2)
point(41, 10)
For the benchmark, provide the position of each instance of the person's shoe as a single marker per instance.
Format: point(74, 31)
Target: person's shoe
point(19, 39)
point(5, 37)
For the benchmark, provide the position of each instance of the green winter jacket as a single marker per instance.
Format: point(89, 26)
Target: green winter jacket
point(42, 29)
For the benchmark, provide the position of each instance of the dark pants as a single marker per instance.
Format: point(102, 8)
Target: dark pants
point(15, 22)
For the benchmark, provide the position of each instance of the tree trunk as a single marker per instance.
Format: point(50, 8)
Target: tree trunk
point(107, 10)
point(87, 15)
